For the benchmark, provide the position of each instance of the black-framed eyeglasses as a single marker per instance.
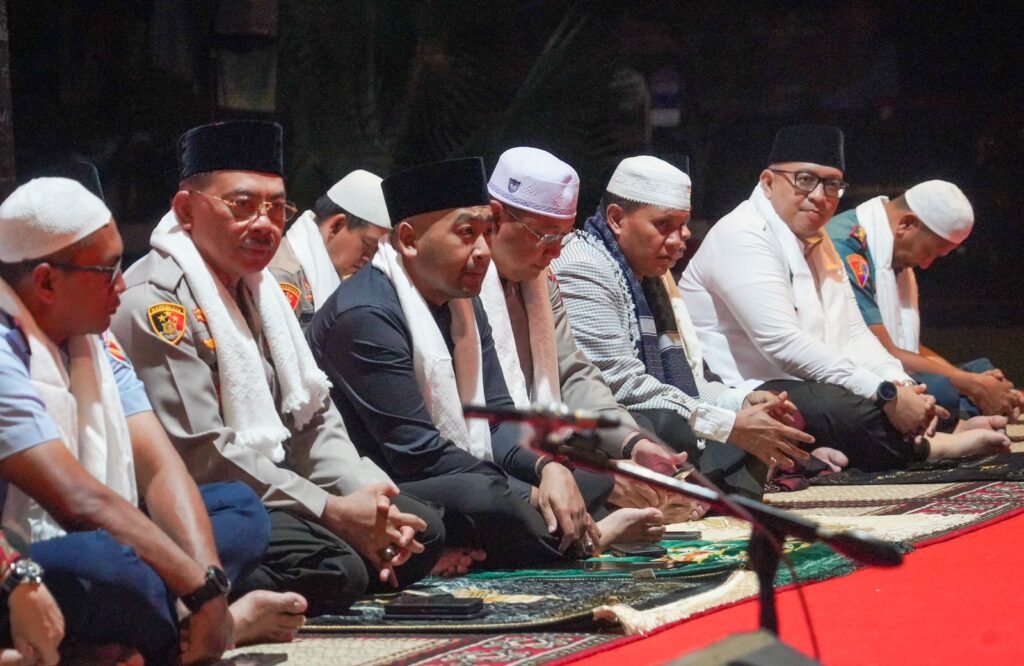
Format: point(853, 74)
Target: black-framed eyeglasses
point(114, 269)
point(806, 182)
point(247, 210)
point(543, 240)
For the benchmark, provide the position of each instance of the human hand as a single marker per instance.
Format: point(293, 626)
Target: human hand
point(211, 631)
point(913, 412)
point(780, 407)
point(369, 523)
point(561, 504)
point(37, 625)
point(992, 393)
point(657, 458)
point(760, 434)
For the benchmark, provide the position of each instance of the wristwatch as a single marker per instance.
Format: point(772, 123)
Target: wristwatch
point(885, 394)
point(22, 571)
point(216, 585)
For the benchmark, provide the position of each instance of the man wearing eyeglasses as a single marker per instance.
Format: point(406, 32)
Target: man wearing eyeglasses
point(771, 304)
point(535, 345)
point(235, 385)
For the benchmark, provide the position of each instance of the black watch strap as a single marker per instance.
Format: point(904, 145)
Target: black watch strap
point(885, 393)
point(215, 585)
point(21, 571)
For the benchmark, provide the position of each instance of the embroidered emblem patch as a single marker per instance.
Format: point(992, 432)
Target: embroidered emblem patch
point(292, 293)
point(200, 317)
point(859, 266)
point(114, 348)
point(861, 235)
point(309, 290)
point(168, 321)
point(513, 184)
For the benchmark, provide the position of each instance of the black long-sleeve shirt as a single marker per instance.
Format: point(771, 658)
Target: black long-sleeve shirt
point(361, 338)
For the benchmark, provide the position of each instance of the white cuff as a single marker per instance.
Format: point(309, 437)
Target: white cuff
point(863, 382)
point(712, 422)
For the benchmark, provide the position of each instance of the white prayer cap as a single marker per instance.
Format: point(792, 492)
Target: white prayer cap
point(648, 180)
point(360, 194)
point(46, 215)
point(535, 181)
point(943, 208)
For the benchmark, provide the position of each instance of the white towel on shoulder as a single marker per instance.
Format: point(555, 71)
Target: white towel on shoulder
point(85, 404)
point(896, 293)
point(247, 402)
point(308, 246)
point(543, 349)
point(446, 383)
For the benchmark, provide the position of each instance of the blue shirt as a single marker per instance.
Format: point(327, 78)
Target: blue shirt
point(24, 422)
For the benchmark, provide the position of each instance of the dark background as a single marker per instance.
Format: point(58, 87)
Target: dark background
point(922, 90)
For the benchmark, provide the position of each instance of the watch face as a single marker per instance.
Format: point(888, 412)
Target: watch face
point(887, 391)
point(220, 578)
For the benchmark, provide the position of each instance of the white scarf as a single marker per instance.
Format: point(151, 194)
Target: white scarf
point(444, 382)
point(896, 293)
point(823, 316)
point(85, 404)
point(541, 325)
point(688, 334)
point(308, 245)
point(247, 402)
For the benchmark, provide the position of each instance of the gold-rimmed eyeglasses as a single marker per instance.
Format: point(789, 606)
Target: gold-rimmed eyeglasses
point(246, 210)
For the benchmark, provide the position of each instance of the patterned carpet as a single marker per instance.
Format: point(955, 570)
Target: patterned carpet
point(911, 514)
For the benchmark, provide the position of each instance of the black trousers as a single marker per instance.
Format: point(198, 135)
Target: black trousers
point(844, 421)
point(729, 467)
point(309, 559)
point(490, 511)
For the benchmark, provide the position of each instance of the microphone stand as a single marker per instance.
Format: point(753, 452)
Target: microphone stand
point(770, 525)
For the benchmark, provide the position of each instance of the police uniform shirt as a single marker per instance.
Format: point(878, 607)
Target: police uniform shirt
point(287, 270)
point(851, 243)
point(165, 334)
point(24, 422)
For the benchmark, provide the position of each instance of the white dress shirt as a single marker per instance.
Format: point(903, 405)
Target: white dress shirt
point(763, 311)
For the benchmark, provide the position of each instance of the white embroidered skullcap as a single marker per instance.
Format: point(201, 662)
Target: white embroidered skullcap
point(943, 208)
point(46, 215)
point(359, 193)
point(648, 180)
point(535, 181)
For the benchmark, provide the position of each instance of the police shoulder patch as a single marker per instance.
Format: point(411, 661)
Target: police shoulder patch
point(168, 321)
point(114, 348)
point(292, 293)
point(860, 269)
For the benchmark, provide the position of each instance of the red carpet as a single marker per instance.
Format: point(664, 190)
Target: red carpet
point(957, 601)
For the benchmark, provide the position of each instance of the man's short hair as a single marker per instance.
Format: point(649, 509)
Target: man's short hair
point(14, 273)
point(627, 205)
point(326, 208)
point(197, 181)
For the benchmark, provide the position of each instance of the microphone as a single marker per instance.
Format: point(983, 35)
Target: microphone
point(555, 415)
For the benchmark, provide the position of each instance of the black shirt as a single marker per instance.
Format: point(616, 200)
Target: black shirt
point(361, 339)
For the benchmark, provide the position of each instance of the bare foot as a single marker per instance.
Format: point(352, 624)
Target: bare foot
point(981, 423)
point(457, 561)
point(267, 617)
point(630, 525)
point(977, 442)
point(835, 459)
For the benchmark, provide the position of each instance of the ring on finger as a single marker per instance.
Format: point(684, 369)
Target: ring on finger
point(388, 553)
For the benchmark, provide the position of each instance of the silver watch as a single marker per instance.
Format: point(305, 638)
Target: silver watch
point(22, 571)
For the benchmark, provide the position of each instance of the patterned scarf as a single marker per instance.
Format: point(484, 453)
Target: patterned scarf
point(659, 345)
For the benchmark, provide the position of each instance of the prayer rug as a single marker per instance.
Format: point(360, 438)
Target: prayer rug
point(520, 649)
point(1001, 467)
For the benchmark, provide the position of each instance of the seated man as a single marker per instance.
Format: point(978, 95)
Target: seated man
point(537, 194)
point(881, 242)
point(234, 384)
point(31, 624)
point(406, 342)
point(80, 450)
point(611, 274)
point(325, 245)
point(770, 302)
